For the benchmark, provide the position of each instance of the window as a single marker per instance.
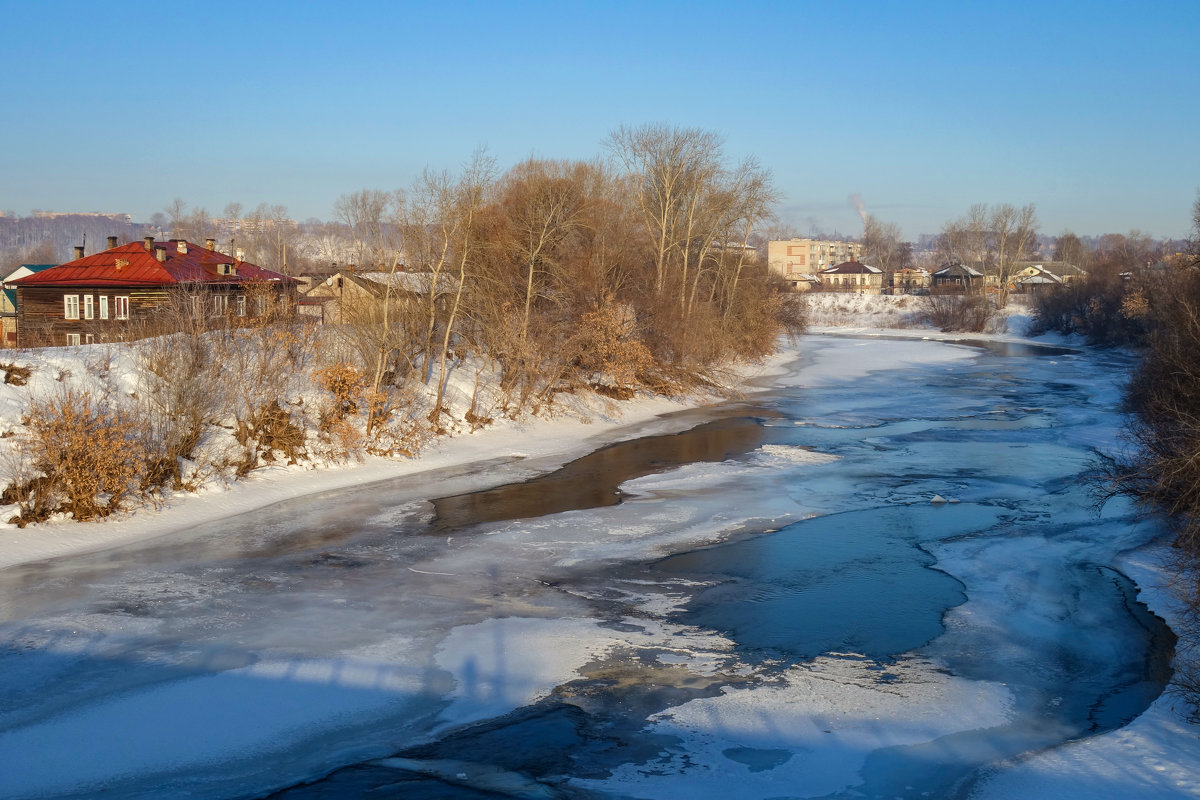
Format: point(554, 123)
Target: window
point(88, 306)
point(241, 305)
point(197, 306)
point(260, 305)
point(122, 307)
point(103, 306)
point(72, 339)
point(89, 338)
point(71, 306)
point(220, 304)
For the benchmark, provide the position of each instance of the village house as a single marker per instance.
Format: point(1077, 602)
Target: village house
point(1065, 272)
point(958, 277)
point(142, 289)
point(853, 276)
point(348, 296)
point(911, 280)
point(8, 302)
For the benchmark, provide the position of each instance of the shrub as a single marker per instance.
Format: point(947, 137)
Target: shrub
point(77, 455)
point(950, 311)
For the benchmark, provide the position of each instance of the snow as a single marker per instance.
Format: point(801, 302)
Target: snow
point(815, 728)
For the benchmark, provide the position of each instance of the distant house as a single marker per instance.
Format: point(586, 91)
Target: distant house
point(957, 276)
point(910, 280)
point(8, 302)
point(141, 289)
point(1065, 272)
point(853, 276)
point(1037, 281)
point(348, 296)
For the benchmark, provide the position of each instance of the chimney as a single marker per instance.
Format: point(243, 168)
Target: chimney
point(78, 251)
point(112, 242)
point(210, 244)
point(240, 255)
point(181, 246)
point(148, 243)
point(160, 253)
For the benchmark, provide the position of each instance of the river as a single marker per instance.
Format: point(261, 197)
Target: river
point(883, 575)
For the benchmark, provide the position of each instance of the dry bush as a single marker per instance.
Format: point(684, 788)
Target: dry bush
point(953, 312)
point(182, 391)
point(263, 362)
point(607, 352)
point(77, 455)
point(16, 375)
point(339, 437)
point(1106, 308)
point(399, 422)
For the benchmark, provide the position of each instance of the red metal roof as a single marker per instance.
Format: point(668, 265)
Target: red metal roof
point(133, 265)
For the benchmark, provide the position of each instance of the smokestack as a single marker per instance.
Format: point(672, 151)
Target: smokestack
point(148, 243)
point(78, 251)
point(181, 246)
point(210, 244)
point(160, 253)
point(112, 242)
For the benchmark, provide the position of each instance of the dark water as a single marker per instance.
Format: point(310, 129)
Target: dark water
point(858, 581)
point(594, 480)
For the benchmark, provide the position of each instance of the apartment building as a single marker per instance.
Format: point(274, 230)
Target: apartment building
point(792, 258)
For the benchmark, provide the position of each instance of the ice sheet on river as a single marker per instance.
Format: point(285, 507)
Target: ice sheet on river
point(257, 652)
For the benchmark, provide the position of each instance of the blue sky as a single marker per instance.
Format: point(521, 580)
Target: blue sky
point(1090, 110)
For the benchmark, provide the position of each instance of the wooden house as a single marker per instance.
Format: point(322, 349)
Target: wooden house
point(143, 289)
point(958, 277)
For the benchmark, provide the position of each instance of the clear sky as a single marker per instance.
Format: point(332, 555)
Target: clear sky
point(1090, 110)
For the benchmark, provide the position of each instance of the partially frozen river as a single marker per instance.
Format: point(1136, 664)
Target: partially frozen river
point(769, 604)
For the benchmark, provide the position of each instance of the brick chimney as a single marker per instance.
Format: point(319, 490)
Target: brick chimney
point(160, 253)
point(181, 246)
point(78, 251)
point(148, 243)
point(210, 244)
point(112, 242)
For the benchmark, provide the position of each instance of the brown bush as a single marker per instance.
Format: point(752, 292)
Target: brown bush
point(954, 312)
point(77, 455)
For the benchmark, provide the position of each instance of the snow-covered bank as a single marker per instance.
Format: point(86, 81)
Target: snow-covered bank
point(571, 433)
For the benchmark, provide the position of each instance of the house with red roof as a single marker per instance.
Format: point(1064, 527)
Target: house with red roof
point(141, 289)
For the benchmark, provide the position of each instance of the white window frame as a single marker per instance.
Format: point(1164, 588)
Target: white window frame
point(89, 338)
point(72, 340)
point(89, 307)
point(71, 306)
point(241, 305)
point(121, 307)
point(220, 304)
point(103, 306)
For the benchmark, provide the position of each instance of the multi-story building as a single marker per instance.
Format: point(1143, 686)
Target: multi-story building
point(792, 258)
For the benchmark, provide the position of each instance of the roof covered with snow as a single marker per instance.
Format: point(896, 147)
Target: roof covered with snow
point(852, 268)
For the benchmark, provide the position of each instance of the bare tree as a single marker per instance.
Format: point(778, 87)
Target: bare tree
point(369, 214)
point(669, 169)
point(993, 239)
